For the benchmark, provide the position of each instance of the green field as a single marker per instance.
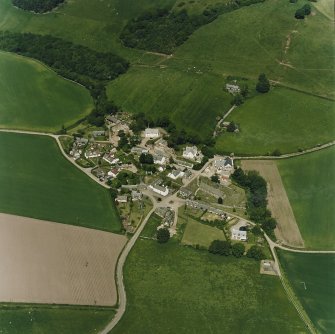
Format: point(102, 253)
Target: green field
point(317, 271)
point(309, 183)
point(192, 100)
point(29, 319)
point(37, 181)
point(33, 97)
point(201, 234)
point(282, 119)
point(177, 289)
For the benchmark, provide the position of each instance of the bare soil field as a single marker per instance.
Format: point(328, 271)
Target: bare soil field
point(53, 263)
point(287, 229)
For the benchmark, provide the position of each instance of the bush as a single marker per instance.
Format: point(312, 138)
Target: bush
point(238, 249)
point(220, 247)
point(220, 200)
point(276, 153)
point(37, 6)
point(263, 85)
point(163, 235)
point(256, 253)
point(231, 127)
point(299, 14)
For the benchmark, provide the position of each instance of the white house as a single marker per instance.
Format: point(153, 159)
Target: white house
point(233, 89)
point(237, 234)
point(224, 164)
point(110, 158)
point(176, 174)
point(151, 133)
point(92, 153)
point(113, 173)
point(121, 199)
point(163, 191)
point(159, 159)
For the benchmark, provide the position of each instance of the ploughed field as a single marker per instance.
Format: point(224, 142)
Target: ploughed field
point(32, 97)
point(312, 279)
point(38, 182)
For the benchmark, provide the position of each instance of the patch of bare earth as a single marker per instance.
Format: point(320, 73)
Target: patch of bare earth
point(46, 262)
point(287, 229)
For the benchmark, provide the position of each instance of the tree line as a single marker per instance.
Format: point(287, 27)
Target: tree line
point(88, 67)
point(37, 6)
point(257, 203)
point(162, 30)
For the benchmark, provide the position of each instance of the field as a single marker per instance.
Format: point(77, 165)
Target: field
point(61, 264)
point(29, 319)
point(35, 98)
point(282, 119)
point(38, 182)
point(316, 273)
point(192, 100)
point(278, 202)
point(201, 234)
point(177, 289)
point(309, 184)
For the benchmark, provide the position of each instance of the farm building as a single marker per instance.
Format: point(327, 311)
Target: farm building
point(139, 150)
point(159, 159)
point(192, 153)
point(185, 193)
point(233, 89)
point(176, 174)
point(225, 164)
point(121, 199)
point(158, 189)
point(151, 133)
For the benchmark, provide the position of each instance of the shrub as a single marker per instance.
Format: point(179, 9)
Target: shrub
point(163, 235)
point(256, 253)
point(238, 249)
point(263, 84)
point(220, 247)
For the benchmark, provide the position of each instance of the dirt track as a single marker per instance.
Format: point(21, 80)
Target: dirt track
point(278, 202)
point(46, 262)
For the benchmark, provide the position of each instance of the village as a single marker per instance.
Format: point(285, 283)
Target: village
point(143, 170)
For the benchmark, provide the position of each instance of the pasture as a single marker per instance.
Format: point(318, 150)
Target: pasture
point(200, 234)
point(33, 319)
point(309, 184)
point(177, 289)
point(38, 182)
point(61, 264)
point(312, 279)
point(281, 119)
point(192, 99)
point(32, 97)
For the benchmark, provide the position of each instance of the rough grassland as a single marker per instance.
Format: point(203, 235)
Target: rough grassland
point(33, 97)
point(176, 289)
point(36, 181)
point(29, 319)
point(191, 99)
point(201, 234)
point(317, 271)
point(267, 38)
point(282, 119)
point(309, 183)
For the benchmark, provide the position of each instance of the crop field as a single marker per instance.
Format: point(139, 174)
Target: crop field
point(312, 279)
point(278, 202)
point(267, 38)
point(32, 97)
point(308, 181)
point(61, 264)
point(282, 119)
point(177, 289)
point(192, 100)
point(38, 182)
point(201, 234)
point(32, 319)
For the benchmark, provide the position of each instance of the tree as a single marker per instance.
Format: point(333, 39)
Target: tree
point(276, 152)
point(220, 247)
point(163, 235)
point(215, 178)
point(231, 127)
point(238, 249)
point(146, 159)
point(220, 200)
point(307, 8)
point(256, 253)
point(299, 14)
point(263, 84)
point(256, 230)
point(237, 100)
point(244, 90)
point(269, 225)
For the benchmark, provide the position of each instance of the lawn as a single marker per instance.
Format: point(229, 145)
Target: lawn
point(192, 99)
point(309, 183)
point(282, 119)
point(30, 319)
point(32, 97)
point(176, 289)
point(253, 39)
point(317, 271)
point(38, 182)
point(201, 234)
point(150, 229)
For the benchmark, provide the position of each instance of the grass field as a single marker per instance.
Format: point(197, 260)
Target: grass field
point(36, 181)
point(266, 38)
point(192, 100)
point(282, 119)
point(177, 289)
point(316, 272)
point(30, 319)
point(309, 183)
point(32, 97)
